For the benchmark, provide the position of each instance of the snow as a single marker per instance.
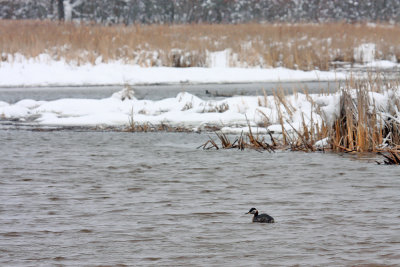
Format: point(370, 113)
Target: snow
point(43, 71)
point(365, 53)
point(383, 64)
point(322, 143)
point(219, 59)
point(186, 110)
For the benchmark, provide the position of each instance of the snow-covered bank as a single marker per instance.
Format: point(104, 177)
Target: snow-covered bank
point(43, 71)
point(189, 111)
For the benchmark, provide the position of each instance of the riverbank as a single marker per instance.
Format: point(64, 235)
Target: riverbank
point(43, 71)
point(362, 116)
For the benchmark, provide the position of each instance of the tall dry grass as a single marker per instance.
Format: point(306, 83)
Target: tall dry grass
point(299, 46)
point(362, 124)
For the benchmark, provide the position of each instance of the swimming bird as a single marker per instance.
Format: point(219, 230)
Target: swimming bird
point(262, 218)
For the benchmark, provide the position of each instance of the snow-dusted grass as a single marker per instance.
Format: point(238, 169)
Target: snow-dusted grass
point(298, 46)
point(359, 119)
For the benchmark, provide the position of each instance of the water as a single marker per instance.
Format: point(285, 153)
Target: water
point(109, 198)
point(77, 197)
point(157, 92)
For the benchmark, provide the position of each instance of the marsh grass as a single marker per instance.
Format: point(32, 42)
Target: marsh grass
point(245, 141)
point(295, 46)
point(391, 157)
point(362, 125)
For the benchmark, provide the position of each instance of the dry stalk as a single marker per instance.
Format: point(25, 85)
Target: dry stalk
point(299, 46)
point(391, 157)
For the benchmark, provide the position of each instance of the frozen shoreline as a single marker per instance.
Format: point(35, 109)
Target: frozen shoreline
point(43, 71)
point(186, 110)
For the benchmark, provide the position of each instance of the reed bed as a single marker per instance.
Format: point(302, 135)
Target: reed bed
point(295, 46)
point(247, 141)
point(367, 121)
point(148, 127)
point(362, 125)
point(391, 157)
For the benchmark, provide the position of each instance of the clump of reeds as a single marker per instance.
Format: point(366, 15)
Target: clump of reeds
point(298, 139)
point(361, 125)
point(148, 127)
point(134, 126)
point(391, 157)
point(356, 128)
point(298, 46)
point(248, 140)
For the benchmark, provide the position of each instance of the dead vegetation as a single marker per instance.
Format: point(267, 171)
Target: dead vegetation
point(295, 46)
point(148, 127)
point(136, 127)
point(391, 157)
point(362, 125)
point(245, 141)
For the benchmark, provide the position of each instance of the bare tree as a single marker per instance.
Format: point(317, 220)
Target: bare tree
point(69, 8)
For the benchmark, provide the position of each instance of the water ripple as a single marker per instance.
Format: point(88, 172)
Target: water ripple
point(153, 199)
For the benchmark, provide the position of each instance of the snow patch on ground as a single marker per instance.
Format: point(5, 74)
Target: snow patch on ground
point(43, 71)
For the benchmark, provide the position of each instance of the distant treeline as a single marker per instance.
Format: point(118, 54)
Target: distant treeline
point(202, 11)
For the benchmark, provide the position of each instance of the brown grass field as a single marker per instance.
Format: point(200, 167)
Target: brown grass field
point(295, 46)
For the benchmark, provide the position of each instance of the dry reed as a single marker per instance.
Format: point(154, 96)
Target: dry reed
point(298, 46)
point(361, 125)
point(249, 140)
point(391, 157)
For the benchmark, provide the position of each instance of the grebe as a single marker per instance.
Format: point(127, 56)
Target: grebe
point(261, 218)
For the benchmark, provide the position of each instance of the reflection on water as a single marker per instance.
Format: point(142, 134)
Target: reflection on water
point(103, 198)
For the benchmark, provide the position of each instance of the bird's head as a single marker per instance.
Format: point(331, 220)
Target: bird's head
point(252, 211)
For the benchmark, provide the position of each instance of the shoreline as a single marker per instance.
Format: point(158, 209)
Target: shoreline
point(44, 72)
point(61, 74)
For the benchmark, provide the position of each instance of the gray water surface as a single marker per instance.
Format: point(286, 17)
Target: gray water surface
point(157, 92)
point(76, 197)
point(150, 199)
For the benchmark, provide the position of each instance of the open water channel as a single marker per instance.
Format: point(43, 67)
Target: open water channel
point(148, 199)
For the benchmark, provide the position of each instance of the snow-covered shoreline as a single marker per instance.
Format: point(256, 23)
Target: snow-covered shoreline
point(185, 110)
point(44, 71)
point(188, 111)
